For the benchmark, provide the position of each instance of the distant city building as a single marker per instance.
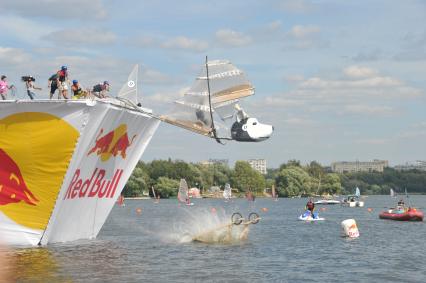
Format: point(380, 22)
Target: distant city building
point(211, 161)
point(258, 165)
point(359, 166)
point(418, 165)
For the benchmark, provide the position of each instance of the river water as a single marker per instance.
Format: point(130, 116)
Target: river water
point(149, 246)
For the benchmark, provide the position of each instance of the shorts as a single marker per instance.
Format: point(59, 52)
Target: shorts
point(53, 88)
point(63, 86)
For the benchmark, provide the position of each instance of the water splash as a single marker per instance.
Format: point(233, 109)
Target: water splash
point(211, 226)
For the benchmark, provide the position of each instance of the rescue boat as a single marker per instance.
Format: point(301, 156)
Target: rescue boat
point(410, 214)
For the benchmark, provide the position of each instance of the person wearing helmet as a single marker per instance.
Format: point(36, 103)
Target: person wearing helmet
point(62, 82)
point(77, 90)
point(4, 87)
point(100, 90)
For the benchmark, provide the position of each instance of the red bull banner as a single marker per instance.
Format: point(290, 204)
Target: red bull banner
point(63, 165)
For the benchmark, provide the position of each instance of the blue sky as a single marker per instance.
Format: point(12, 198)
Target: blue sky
point(339, 80)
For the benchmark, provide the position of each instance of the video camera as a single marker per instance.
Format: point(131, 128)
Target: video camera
point(28, 79)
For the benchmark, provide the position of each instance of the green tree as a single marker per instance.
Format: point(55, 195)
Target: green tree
point(244, 178)
point(293, 180)
point(167, 187)
point(137, 183)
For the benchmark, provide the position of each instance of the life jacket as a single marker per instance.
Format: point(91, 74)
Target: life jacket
point(76, 91)
point(62, 75)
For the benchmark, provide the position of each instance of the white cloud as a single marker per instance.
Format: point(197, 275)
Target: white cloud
point(81, 37)
point(25, 30)
point(374, 82)
point(77, 9)
point(182, 42)
point(228, 37)
point(296, 6)
point(372, 141)
point(359, 72)
point(369, 109)
point(10, 56)
point(178, 42)
point(301, 32)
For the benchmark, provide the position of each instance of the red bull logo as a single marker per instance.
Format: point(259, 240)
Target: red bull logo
point(95, 186)
point(12, 185)
point(113, 143)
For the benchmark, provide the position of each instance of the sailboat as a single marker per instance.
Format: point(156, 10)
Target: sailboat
point(274, 194)
point(227, 193)
point(120, 201)
point(156, 198)
point(183, 196)
point(392, 193)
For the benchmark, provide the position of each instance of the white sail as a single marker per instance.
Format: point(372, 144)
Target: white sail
point(357, 192)
point(274, 194)
point(129, 90)
point(153, 193)
point(227, 84)
point(392, 193)
point(183, 191)
point(227, 193)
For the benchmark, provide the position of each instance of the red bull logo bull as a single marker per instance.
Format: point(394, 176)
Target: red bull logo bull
point(113, 143)
point(12, 185)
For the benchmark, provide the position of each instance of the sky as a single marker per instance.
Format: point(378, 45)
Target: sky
point(338, 80)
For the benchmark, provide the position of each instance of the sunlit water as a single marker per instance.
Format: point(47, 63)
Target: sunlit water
point(151, 247)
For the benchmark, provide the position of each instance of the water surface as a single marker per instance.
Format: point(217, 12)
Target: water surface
point(147, 247)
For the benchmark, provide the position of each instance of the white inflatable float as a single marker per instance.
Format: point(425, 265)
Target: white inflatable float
point(349, 228)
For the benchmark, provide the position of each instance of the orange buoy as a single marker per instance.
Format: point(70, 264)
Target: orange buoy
point(323, 209)
point(265, 209)
point(213, 210)
point(138, 210)
point(369, 209)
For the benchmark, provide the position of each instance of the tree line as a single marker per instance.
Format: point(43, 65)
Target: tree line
point(290, 179)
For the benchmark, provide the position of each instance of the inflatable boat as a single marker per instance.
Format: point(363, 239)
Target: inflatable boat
point(410, 214)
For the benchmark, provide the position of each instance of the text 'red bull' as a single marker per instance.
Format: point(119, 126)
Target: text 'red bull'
point(12, 185)
point(113, 143)
point(96, 186)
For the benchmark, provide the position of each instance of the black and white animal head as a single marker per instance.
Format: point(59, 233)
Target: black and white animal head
point(250, 130)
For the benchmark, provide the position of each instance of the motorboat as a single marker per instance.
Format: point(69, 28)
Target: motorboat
point(402, 214)
point(327, 201)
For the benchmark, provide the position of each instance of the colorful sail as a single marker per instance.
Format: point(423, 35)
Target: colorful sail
point(183, 195)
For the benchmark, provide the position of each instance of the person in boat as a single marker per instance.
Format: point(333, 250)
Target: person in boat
point(4, 87)
point(100, 90)
point(30, 86)
point(310, 205)
point(77, 90)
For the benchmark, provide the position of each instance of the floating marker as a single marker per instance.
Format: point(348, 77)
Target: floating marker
point(349, 228)
point(138, 210)
point(265, 209)
point(213, 210)
point(369, 209)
